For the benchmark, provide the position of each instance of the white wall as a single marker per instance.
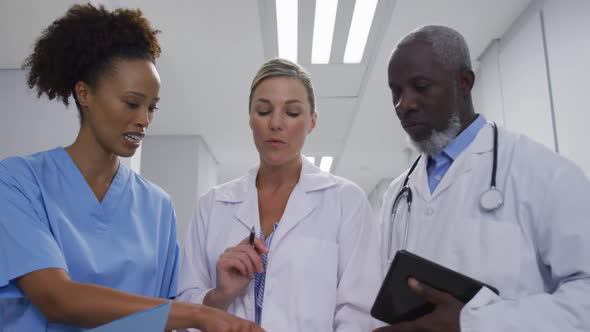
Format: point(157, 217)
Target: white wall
point(184, 167)
point(523, 73)
point(543, 66)
point(29, 124)
point(208, 169)
point(567, 29)
point(487, 91)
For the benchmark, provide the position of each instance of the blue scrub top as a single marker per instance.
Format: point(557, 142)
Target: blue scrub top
point(50, 218)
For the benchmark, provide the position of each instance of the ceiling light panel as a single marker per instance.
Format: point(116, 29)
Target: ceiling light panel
point(323, 30)
point(326, 163)
point(287, 15)
point(362, 18)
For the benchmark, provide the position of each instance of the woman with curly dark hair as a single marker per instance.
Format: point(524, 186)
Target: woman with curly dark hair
point(83, 239)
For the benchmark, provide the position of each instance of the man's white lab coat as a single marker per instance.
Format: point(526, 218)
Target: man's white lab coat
point(535, 248)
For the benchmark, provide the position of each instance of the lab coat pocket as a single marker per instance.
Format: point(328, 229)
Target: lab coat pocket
point(316, 274)
point(499, 254)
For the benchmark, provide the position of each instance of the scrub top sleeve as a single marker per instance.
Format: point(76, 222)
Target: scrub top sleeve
point(169, 282)
point(26, 241)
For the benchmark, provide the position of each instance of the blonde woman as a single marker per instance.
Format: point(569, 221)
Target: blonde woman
point(312, 266)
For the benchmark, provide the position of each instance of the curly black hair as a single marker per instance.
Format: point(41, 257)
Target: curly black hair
point(82, 44)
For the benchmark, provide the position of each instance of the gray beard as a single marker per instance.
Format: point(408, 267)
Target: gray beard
point(438, 140)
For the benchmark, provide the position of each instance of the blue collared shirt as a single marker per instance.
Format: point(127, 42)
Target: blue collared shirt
point(439, 164)
point(260, 278)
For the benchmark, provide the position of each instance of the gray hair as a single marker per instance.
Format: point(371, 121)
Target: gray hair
point(283, 68)
point(447, 44)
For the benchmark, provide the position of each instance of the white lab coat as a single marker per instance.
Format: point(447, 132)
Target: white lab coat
point(535, 248)
point(322, 274)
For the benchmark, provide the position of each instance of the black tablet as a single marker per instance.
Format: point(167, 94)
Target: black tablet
point(396, 302)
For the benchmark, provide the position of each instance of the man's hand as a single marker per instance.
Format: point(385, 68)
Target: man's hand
point(444, 318)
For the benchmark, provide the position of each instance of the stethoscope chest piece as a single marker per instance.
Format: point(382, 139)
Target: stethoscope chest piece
point(491, 199)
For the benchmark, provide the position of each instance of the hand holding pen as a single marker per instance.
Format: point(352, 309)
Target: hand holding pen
point(245, 257)
point(235, 268)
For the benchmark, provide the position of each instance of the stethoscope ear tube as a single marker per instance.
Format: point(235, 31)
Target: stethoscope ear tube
point(493, 198)
point(398, 198)
point(495, 160)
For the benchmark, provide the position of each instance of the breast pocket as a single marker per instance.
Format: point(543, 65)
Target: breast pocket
point(494, 256)
point(316, 277)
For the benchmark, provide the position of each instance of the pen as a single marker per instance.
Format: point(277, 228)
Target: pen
point(252, 235)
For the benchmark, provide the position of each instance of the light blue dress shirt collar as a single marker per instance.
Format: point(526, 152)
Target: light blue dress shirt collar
point(462, 141)
point(439, 164)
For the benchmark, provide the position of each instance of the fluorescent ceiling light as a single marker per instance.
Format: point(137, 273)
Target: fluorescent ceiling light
point(287, 29)
point(323, 30)
point(362, 18)
point(326, 163)
point(311, 159)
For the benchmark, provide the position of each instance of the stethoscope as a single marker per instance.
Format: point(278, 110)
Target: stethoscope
point(490, 199)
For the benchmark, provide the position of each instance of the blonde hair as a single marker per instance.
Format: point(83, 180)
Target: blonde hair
point(283, 68)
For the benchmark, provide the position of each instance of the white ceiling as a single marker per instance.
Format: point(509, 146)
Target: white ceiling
point(212, 48)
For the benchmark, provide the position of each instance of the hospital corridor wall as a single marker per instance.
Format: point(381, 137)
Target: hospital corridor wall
point(532, 79)
point(190, 171)
point(30, 124)
point(181, 164)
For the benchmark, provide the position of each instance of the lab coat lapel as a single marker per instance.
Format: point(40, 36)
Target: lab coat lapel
point(298, 207)
point(247, 212)
point(300, 203)
point(459, 167)
point(464, 162)
point(419, 179)
point(484, 142)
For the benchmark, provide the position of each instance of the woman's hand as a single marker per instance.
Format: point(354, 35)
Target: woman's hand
point(220, 321)
point(235, 268)
point(64, 301)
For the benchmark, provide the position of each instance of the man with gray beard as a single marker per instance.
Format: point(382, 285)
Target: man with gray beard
point(490, 204)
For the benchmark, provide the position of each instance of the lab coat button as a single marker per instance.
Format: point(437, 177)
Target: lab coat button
point(429, 211)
